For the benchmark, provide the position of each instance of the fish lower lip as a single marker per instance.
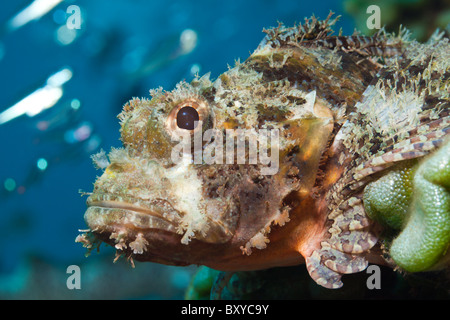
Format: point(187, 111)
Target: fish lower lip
point(111, 204)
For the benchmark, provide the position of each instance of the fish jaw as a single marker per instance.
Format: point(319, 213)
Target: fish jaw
point(136, 208)
point(123, 228)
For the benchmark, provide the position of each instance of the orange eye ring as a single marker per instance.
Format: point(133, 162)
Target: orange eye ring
point(186, 116)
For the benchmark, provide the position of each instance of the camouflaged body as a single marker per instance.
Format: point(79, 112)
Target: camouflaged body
point(348, 109)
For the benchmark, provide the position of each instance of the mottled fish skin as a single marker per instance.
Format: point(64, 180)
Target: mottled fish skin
point(347, 109)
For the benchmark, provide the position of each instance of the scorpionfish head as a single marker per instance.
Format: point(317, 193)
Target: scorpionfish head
point(210, 171)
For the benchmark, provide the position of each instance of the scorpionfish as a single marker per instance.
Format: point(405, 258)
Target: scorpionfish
point(276, 162)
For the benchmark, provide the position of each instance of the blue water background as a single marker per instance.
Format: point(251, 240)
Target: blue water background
point(40, 215)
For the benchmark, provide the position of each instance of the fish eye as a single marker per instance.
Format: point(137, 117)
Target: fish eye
point(187, 118)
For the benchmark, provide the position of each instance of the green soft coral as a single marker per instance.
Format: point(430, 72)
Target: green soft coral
point(425, 236)
point(201, 283)
point(424, 241)
point(387, 200)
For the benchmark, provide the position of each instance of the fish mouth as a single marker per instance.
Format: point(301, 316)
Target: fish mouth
point(146, 230)
point(106, 211)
